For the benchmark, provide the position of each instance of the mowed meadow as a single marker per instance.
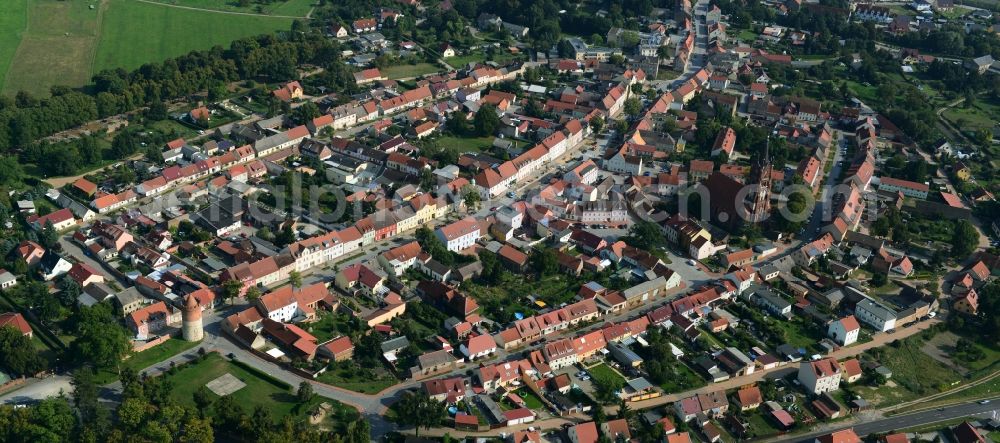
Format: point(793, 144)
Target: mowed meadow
point(65, 42)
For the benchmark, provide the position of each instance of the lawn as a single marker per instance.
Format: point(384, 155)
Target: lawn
point(760, 425)
point(350, 376)
point(477, 57)
point(867, 93)
point(682, 379)
point(149, 357)
point(466, 144)
point(511, 295)
point(12, 24)
point(296, 8)
point(602, 370)
point(259, 391)
point(396, 72)
point(530, 399)
point(134, 33)
point(171, 128)
point(329, 325)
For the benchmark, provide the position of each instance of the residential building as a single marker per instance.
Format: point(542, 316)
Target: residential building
point(844, 331)
point(460, 235)
point(874, 314)
point(820, 376)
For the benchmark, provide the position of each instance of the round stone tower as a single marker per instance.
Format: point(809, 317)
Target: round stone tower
point(191, 327)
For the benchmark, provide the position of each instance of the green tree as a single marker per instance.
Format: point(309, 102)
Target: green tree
point(157, 111)
point(471, 197)
point(305, 113)
point(427, 180)
point(124, 144)
point(202, 398)
point(101, 340)
point(231, 289)
point(358, 431)
point(964, 239)
point(10, 170)
point(419, 410)
point(607, 385)
point(17, 355)
point(253, 293)
point(621, 126)
point(646, 235)
point(295, 279)
point(305, 392)
point(597, 124)
point(197, 430)
point(48, 237)
point(486, 121)
point(544, 261)
point(632, 107)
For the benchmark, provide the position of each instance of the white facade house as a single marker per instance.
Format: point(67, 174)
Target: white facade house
point(844, 331)
point(478, 347)
point(460, 235)
point(820, 376)
point(876, 315)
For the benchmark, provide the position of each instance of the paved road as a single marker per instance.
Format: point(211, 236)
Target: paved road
point(77, 253)
point(698, 55)
point(757, 376)
point(840, 354)
point(898, 422)
point(35, 390)
point(820, 217)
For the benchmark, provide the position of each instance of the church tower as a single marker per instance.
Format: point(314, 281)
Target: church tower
point(758, 201)
point(191, 326)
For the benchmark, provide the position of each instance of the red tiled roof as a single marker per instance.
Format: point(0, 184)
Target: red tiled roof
point(15, 320)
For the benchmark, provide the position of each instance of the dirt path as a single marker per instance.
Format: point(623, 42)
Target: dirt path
point(58, 182)
point(192, 8)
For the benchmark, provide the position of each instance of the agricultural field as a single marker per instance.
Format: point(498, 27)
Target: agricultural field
point(12, 24)
point(135, 33)
point(290, 8)
point(57, 46)
point(50, 42)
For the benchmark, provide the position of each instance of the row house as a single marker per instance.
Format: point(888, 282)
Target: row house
point(110, 202)
point(533, 328)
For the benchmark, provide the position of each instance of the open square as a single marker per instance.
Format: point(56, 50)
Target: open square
point(225, 385)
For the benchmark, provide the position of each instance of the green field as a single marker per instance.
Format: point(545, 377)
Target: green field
point(914, 374)
point(52, 42)
point(134, 33)
point(981, 115)
point(466, 144)
point(293, 8)
point(259, 391)
point(396, 72)
point(12, 24)
point(147, 358)
point(57, 46)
